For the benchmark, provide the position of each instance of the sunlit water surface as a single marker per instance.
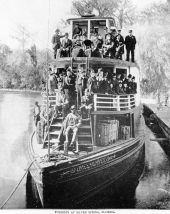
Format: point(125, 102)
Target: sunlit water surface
point(16, 126)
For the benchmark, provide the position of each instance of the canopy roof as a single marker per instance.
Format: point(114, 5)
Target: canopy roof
point(83, 18)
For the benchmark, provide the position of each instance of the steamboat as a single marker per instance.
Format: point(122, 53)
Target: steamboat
point(110, 144)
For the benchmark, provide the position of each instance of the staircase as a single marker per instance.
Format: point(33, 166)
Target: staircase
point(85, 137)
point(51, 98)
point(54, 129)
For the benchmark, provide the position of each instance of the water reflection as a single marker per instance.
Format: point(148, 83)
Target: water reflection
point(16, 126)
point(153, 190)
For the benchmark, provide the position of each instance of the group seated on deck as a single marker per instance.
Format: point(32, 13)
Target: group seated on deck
point(112, 46)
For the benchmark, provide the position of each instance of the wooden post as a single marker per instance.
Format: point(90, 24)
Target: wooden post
point(95, 118)
point(71, 26)
point(108, 24)
point(95, 102)
point(129, 104)
point(88, 30)
point(47, 106)
point(118, 103)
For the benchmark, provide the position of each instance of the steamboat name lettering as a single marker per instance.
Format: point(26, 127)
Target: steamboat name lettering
point(89, 165)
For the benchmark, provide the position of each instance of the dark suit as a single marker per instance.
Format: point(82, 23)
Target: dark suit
point(134, 87)
point(130, 42)
point(120, 44)
point(129, 84)
point(66, 44)
point(115, 85)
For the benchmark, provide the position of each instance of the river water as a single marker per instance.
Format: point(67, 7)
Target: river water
point(16, 126)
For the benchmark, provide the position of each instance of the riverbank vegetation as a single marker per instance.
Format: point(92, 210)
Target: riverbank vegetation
point(25, 67)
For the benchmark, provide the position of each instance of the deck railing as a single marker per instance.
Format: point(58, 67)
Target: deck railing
point(51, 98)
point(103, 102)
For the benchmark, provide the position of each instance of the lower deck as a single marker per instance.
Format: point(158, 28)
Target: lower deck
point(39, 151)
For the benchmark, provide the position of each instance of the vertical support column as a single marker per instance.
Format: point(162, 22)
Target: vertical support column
point(118, 102)
point(107, 24)
point(95, 119)
point(88, 29)
point(129, 106)
point(71, 26)
point(95, 102)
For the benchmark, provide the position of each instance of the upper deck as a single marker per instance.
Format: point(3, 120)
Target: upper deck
point(91, 24)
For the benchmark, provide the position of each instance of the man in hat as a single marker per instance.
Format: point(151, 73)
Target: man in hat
point(43, 116)
point(108, 47)
point(80, 82)
point(52, 82)
point(120, 88)
point(36, 113)
point(69, 86)
point(86, 104)
point(62, 104)
point(77, 50)
point(134, 86)
point(56, 42)
point(72, 123)
point(77, 31)
point(102, 82)
point(129, 83)
point(114, 41)
point(93, 84)
point(130, 42)
point(114, 81)
point(66, 45)
point(97, 46)
point(87, 45)
point(120, 45)
point(124, 78)
point(106, 32)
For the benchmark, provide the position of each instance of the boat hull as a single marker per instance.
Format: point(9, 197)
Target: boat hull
point(92, 183)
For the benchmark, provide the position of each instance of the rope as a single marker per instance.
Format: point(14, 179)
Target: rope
point(16, 186)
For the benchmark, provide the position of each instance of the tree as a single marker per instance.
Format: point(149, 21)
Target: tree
point(23, 39)
point(33, 55)
point(123, 11)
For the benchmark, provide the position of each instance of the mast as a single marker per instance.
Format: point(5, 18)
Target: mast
point(47, 87)
point(48, 113)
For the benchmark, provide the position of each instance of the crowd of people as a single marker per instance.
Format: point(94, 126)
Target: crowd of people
point(112, 46)
point(78, 89)
point(75, 91)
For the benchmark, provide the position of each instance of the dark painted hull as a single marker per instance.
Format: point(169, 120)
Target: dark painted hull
point(86, 183)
